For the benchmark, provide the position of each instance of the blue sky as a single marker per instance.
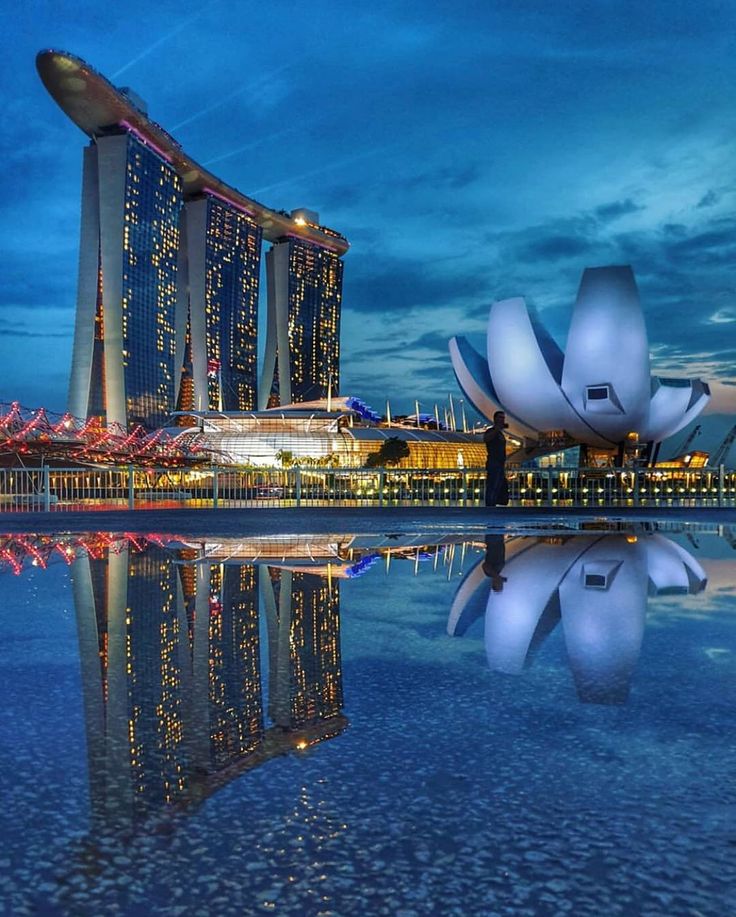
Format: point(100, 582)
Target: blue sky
point(468, 151)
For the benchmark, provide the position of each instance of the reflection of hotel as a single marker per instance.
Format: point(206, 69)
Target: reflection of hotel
point(133, 651)
point(171, 668)
point(169, 273)
point(227, 718)
point(305, 676)
point(596, 585)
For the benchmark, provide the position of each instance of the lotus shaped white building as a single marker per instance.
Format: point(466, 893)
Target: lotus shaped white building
point(599, 391)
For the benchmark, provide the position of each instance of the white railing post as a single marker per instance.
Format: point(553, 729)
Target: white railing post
point(131, 487)
point(47, 488)
point(215, 488)
point(721, 481)
point(298, 486)
point(381, 477)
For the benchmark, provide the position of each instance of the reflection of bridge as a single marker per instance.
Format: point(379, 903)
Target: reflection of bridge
point(42, 550)
point(333, 556)
point(596, 585)
point(172, 681)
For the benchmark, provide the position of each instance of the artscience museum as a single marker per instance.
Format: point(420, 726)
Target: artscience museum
point(599, 393)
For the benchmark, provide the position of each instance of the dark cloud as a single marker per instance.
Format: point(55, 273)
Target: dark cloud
point(414, 351)
point(433, 340)
point(37, 279)
point(709, 199)
point(406, 184)
point(444, 379)
point(555, 248)
point(705, 243)
point(394, 285)
point(25, 333)
point(453, 177)
point(678, 230)
point(389, 350)
point(616, 209)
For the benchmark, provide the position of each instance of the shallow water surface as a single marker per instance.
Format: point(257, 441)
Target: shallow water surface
point(528, 723)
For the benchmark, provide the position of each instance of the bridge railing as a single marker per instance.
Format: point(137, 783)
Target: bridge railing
point(60, 489)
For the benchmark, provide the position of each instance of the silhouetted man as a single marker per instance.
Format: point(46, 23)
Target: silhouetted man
point(497, 489)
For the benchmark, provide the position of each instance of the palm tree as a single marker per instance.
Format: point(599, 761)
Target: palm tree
point(392, 451)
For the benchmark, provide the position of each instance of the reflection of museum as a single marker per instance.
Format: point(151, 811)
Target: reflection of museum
point(176, 702)
point(595, 585)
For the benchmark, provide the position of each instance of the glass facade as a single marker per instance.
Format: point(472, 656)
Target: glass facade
point(314, 304)
point(153, 200)
point(172, 289)
point(317, 438)
point(232, 266)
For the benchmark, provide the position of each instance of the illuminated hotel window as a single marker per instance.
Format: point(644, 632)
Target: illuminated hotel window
point(232, 270)
point(314, 300)
point(153, 199)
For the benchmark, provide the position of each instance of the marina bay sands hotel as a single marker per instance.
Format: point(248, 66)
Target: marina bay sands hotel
point(169, 267)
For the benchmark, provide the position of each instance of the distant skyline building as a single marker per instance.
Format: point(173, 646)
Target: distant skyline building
point(167, 305)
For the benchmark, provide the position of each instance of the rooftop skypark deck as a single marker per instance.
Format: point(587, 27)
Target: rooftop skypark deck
point(97, 107)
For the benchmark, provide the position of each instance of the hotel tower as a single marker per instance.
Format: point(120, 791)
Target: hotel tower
point(302, 359)
point(169, 268)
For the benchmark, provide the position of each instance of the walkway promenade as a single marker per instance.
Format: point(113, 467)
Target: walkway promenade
point(358, 520)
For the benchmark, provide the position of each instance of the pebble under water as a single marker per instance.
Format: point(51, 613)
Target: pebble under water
point(521, 723)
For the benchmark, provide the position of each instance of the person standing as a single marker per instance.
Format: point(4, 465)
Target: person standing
point(497, 488)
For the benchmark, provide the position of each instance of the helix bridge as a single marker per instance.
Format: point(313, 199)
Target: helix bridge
point(29, 437)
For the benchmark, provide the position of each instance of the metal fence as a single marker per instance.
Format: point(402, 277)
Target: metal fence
point(56, 489)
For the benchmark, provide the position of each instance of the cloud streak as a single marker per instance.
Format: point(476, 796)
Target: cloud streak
point(184, 24)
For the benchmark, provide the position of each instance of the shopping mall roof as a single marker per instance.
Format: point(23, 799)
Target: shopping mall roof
point(314, 421)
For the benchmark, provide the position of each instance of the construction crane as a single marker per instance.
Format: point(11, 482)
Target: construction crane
point(722, 451)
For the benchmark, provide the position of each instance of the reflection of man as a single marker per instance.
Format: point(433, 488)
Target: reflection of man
point(494, 560)
point(497, 490)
